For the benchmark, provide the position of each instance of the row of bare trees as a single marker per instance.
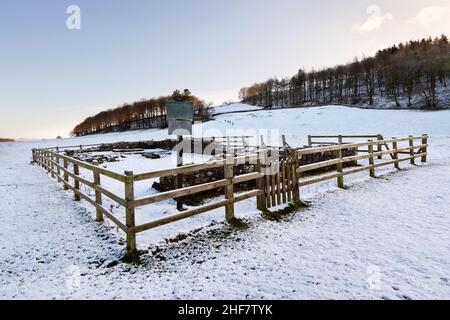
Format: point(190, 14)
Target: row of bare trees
point(399, 72)
point(138, 115)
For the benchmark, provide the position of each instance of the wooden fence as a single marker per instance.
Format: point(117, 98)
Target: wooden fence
point(340, 139)
point(278, 180)
point(235, 144)
point(318, 140)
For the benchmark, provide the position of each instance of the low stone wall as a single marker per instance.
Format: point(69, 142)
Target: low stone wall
point(210, 175)
point(204, 176)
point(197, 145)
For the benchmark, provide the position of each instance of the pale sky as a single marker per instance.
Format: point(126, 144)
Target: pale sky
point(53, 77)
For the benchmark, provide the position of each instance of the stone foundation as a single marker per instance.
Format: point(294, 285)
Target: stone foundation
point(210, 175)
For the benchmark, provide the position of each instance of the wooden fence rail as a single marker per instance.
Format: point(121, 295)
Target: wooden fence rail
point(318, 140)
point(278, 180)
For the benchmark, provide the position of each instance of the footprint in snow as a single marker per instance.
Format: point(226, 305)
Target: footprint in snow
point(404, 297)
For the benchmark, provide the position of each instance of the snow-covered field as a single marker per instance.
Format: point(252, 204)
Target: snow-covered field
point(385, 238)
point(235, 107)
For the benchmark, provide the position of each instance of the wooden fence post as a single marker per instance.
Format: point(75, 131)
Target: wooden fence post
point(47, 163)
point(278, 182)
point(229, 190)
point(179, 177)
point(130, 215)
point(283, 180)
point(52, 165)
point(261, 204)
point(263, 145)
point(98, 197)
point(57, 160)
point(371, 160)
point(267, 186)
point(395, 147)
point(66, 175)
point(295, 182)
point(289, 181)
point(411, 151)
point(272, 186)
point(424, 149)
point(379, 147)
point(58, 170)
point(283, 138)
point(309, 140)
point(76, 171)
point(340, 165)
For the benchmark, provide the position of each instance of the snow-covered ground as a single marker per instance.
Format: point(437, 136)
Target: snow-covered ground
point(235, 107)
point(418, 100)
point(391, 232)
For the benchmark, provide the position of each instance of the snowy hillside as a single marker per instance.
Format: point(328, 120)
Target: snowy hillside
point(295, 123)
point(417, 101)
point(395, 229)
point(235, 107)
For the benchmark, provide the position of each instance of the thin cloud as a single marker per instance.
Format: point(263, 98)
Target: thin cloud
point(431, 15)
point(374, 22)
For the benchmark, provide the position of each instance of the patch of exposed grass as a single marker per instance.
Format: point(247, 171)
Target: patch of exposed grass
point(291, 208)
point(239, 224)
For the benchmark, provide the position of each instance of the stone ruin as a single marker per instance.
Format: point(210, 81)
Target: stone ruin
point(138, 147)
point(169, 183)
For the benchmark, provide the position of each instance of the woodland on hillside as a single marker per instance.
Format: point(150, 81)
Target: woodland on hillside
point(401, 73)
point(6, 140)
point(416, 68)
point(142, 114)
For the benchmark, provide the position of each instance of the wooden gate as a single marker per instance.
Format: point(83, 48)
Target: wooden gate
point(281, 179)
